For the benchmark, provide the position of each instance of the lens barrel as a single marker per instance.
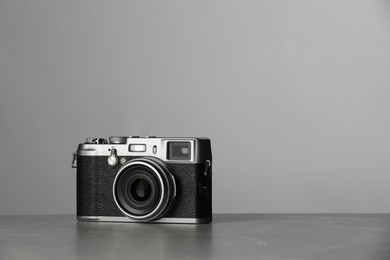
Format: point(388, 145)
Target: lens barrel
point(144, 189)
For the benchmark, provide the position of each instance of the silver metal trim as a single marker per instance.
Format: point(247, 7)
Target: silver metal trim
point(200, 148)
point(128, 220)
point(159, 208)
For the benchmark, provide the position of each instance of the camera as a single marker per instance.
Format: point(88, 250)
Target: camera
point(144, 179)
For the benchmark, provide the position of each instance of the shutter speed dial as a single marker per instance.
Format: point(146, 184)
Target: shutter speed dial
point(117, 139)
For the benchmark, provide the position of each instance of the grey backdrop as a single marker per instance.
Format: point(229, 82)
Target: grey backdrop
point(294, 95)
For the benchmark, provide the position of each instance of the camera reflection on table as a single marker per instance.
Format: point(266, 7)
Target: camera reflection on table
point(140, 240)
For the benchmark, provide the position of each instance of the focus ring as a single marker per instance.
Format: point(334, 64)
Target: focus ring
point(151, 168)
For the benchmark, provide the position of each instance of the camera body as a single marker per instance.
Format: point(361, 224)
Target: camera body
point(144, 179)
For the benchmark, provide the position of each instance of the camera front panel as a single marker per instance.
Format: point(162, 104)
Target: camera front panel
point(94, 187)
point(194, 191)
point(95, 198)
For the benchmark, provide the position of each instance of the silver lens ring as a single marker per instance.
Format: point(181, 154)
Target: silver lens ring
point(165, 182)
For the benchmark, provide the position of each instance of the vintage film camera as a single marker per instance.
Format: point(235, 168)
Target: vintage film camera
point(144, 179)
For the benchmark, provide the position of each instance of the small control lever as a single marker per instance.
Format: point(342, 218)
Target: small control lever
point(112, 158)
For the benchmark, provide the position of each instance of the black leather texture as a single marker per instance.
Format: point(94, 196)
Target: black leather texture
point(95, 196)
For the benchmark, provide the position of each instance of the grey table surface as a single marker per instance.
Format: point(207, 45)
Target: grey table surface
point(230, 236)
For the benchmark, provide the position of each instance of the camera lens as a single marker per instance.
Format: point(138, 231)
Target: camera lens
point(140, 190)
point(144, 189)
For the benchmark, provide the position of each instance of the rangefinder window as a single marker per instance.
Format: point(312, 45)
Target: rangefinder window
point(179, 151)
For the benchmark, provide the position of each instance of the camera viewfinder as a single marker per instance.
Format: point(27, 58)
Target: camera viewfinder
point(179, 151)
